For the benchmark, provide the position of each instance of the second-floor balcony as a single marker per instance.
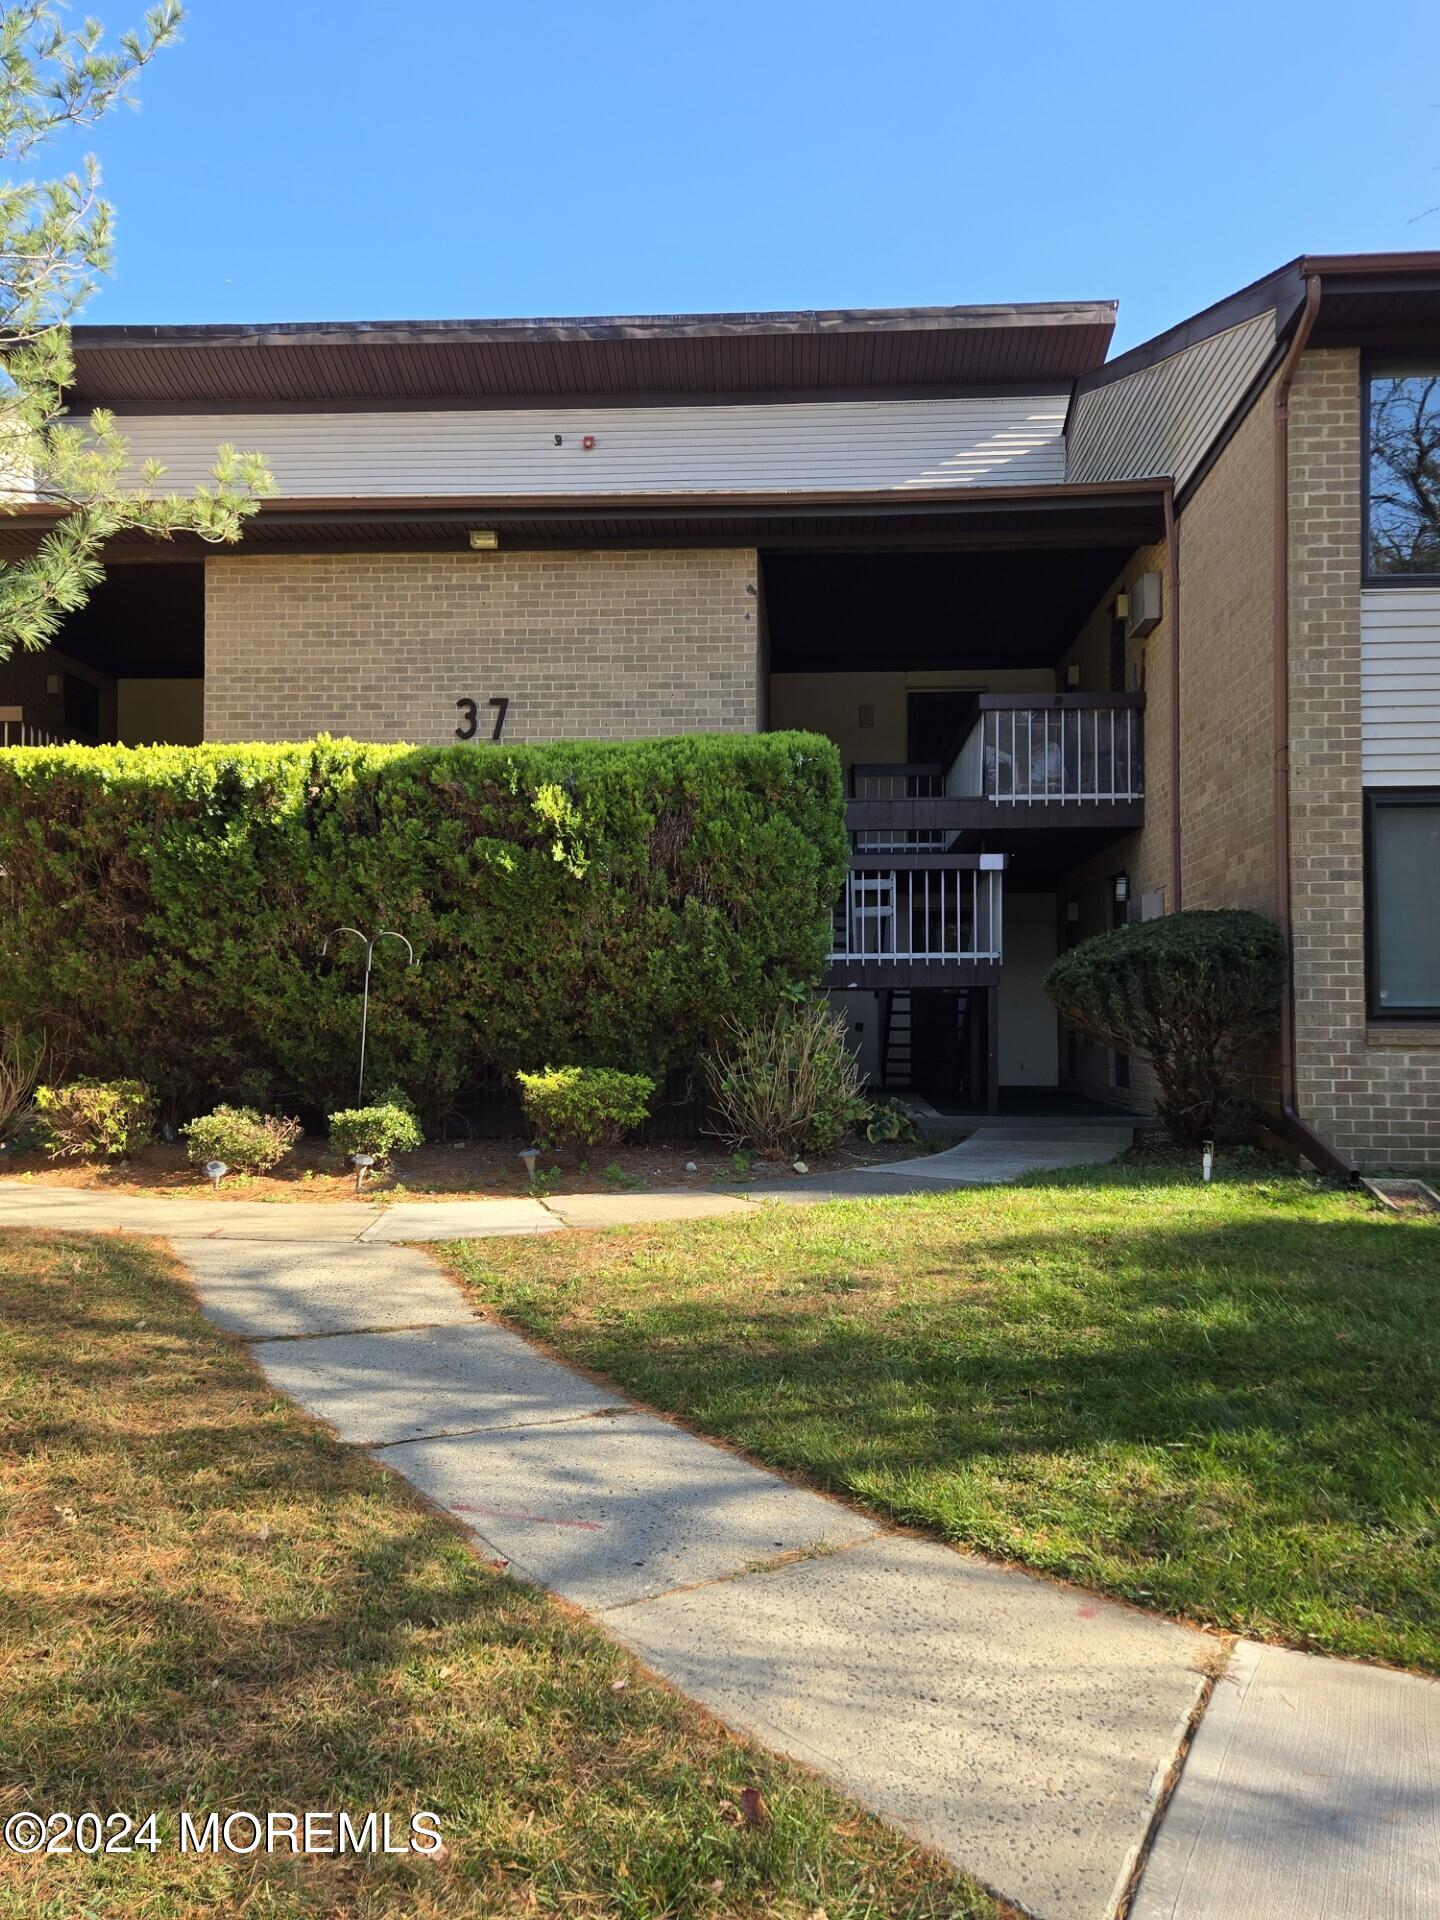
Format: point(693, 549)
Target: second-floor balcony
point(1068, 760)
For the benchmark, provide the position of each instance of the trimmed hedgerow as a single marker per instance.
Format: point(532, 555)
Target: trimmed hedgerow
point(162, 909)
point(1193, 992)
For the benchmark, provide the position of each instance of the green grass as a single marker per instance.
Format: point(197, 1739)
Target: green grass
point(1223, 1402)
point(206, 1602)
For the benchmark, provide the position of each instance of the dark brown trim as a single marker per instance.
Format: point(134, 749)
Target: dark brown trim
point(1005, 701)
point(1376, 799)
point(1172, 594)
point(546, 506)
point(602, 327)
point(875, 976)
point(1282, 290)
point(953, 814)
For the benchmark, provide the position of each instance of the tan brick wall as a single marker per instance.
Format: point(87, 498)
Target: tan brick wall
point(599, 645)
point(1227, 559)
point(1226, 792)
point(1144, 856)
point(1373, 1090)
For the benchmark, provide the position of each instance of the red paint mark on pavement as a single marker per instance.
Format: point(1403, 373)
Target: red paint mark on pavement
point(1086, 1613)
point(513, 1513)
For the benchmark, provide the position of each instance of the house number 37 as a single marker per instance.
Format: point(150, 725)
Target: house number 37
point(469, 711)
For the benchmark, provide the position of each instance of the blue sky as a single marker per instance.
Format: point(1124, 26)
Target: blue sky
point(313, 159)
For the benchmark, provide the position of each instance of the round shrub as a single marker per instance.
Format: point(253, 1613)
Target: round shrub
point(107, 1119)
point(387, 1128)
point(582, 1108)
point(243, 1137)
point(787, 1084)
point(1192, 992)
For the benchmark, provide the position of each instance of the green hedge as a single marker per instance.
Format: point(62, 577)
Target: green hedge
point(164, 907)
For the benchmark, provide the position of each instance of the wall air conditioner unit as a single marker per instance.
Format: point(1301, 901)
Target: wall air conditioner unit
point(1143, 610)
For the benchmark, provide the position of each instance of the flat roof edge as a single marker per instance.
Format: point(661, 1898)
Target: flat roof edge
point(1055, 313)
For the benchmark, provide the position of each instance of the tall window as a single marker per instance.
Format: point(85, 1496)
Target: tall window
point(1403, 907)
point(1403, 531)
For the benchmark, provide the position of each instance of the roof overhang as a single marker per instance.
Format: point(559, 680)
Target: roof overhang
point(485, 362)
point(1376, 299)
point(1125, 515)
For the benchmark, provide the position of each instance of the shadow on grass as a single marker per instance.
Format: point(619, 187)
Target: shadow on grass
point(1236, 1418)
point(211, 1604)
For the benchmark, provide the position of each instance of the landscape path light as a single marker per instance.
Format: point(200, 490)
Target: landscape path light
point(215, 1172)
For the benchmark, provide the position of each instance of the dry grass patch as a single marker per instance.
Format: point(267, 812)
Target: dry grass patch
point(208, 1603)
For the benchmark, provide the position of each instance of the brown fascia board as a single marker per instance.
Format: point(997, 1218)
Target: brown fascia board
point(1283, 290)
point(474, 506)
point(680, 326)
point(1344, 265)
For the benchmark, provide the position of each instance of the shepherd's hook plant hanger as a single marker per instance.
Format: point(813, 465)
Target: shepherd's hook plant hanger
point(369, 943)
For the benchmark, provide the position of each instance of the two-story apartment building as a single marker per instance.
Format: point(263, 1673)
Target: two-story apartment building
point(1096, 638)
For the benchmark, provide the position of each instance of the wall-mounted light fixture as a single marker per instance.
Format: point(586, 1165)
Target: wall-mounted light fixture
point(1122, 889)
point(484, 539)
point(1072, 675)
point(1072, 913)
point(867, 716)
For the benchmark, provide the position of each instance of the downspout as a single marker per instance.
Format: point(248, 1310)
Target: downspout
point(1319, 1152)
point(1172, 600)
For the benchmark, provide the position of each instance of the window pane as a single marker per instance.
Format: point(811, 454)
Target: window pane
point(1404, 530)
point(1407, 907)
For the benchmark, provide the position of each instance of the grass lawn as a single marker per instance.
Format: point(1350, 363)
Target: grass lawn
point(205, 1602)
point(1220, 1401)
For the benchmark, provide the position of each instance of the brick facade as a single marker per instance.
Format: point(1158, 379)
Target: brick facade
point(1373, 1089)
point(600, 645)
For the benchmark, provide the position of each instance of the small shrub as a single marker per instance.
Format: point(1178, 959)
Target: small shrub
point(1191, 992)
point(888, 1120)
point(108, 1118)
point(582, 1108)
point(382, 1130)
point(23, 1060)
point(788, 1084)
point(243, 1137)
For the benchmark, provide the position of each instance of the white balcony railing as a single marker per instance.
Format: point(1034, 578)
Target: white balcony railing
point(17, 731)
point(1065, 751)
point(921, 908)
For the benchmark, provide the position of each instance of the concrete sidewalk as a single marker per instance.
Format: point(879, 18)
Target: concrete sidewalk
point(1030, 1731)
point(998, 1153)
point(1019, 1726)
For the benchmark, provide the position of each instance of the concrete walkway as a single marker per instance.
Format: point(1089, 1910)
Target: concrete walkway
point(1030, 1731)
point(994, 1153)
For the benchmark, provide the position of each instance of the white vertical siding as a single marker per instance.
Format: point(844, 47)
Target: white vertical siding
point(1162, 420)
point(810, 446)
point(1400, 686)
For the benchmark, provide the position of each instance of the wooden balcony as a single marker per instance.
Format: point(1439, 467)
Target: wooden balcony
point(1073, 762)
point(919, 919)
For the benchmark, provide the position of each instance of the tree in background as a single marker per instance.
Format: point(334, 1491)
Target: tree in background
point(55, 239)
